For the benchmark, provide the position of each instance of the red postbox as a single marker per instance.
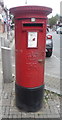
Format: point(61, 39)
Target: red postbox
point(30, 40)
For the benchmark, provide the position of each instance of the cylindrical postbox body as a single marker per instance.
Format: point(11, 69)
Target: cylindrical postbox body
point(30, 39)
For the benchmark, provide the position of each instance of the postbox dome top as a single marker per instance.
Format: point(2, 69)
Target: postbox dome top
point(30, 10)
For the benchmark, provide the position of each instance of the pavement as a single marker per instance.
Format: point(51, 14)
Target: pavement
point(51, 103)
point(52, 74)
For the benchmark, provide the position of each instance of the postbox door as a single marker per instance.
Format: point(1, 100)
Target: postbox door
point(30, 58)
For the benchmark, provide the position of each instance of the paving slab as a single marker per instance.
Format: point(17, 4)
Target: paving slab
point(51, 105)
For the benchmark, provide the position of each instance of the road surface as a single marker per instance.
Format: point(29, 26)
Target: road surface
point(52, 64)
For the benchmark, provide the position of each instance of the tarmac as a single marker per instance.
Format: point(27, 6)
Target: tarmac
point(51, 102)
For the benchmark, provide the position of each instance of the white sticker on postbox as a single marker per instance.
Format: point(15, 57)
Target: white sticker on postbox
point(32, 39)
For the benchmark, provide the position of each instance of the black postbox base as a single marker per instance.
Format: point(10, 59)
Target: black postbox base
point(29, 99)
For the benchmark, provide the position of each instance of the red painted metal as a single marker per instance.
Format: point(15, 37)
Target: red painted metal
point(30, 61)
